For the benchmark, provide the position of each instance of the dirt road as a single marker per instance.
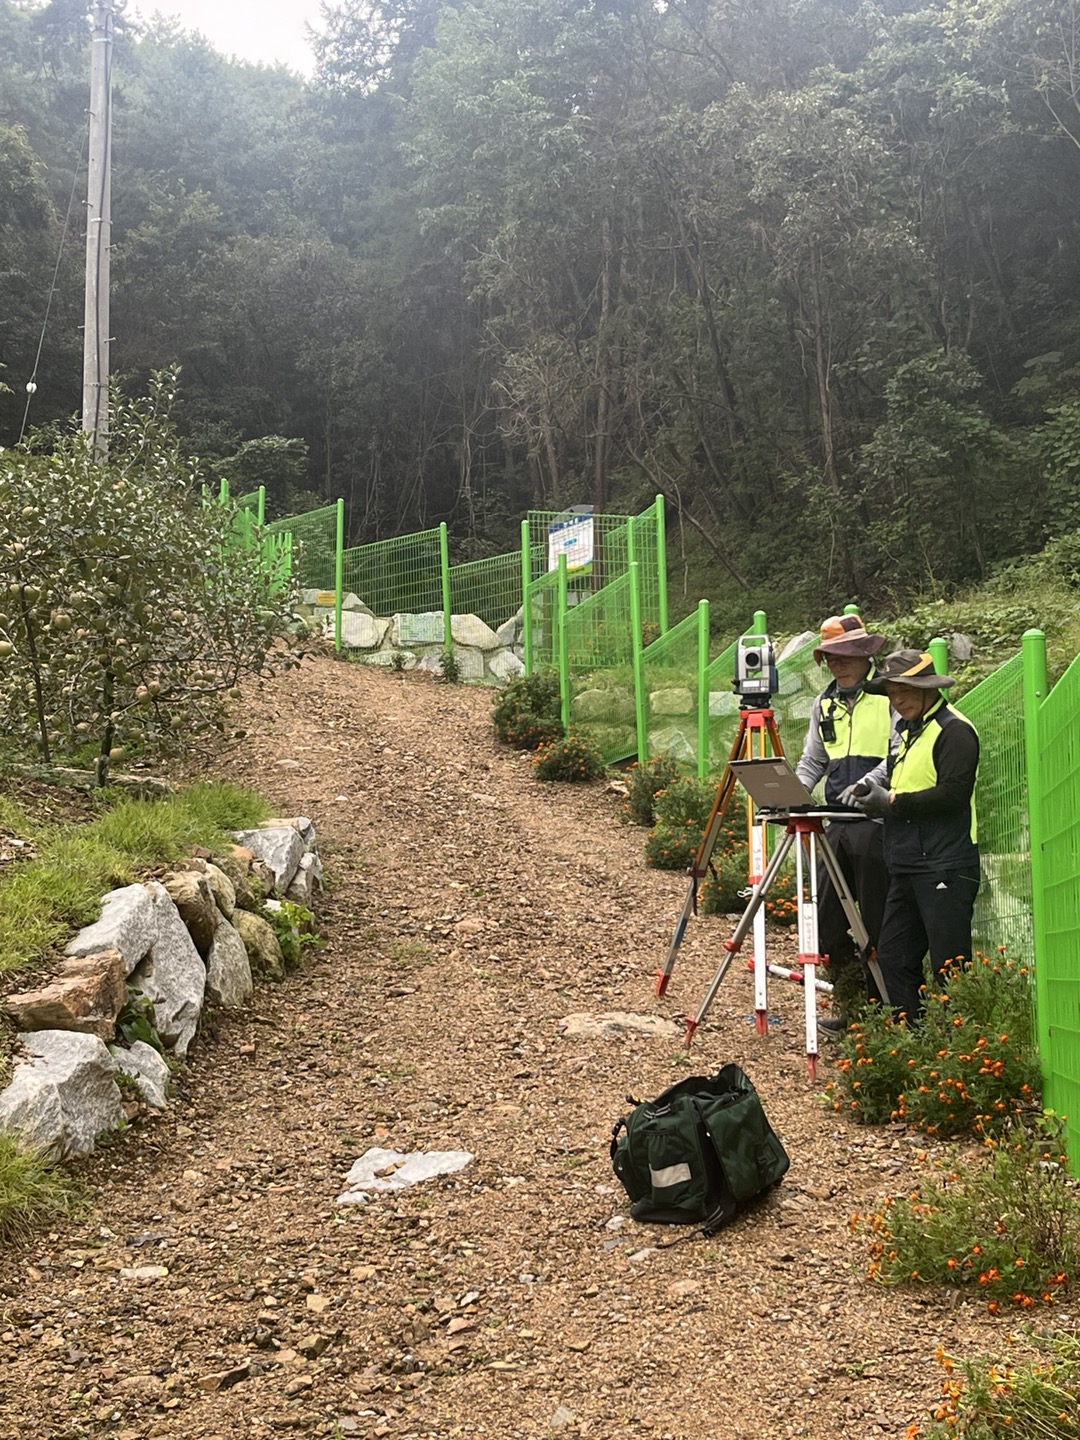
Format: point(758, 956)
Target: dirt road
point(472, 910)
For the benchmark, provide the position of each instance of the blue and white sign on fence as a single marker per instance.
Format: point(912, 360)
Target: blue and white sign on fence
point(572, 535)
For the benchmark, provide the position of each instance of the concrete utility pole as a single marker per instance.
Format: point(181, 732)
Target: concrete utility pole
point(95, 404)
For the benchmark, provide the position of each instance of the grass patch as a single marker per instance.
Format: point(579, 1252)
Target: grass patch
point(43, 900)
point(31, 1192)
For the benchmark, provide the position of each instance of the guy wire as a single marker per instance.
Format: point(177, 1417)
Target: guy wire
point(56, 272)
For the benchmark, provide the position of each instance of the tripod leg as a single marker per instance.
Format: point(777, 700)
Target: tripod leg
point(854, 919)
point(758, 855)
point(698, 870)
point(742, 929)
point(769, 736)
point(809, 957)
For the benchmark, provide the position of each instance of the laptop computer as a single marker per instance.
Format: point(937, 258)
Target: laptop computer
point(773, 785)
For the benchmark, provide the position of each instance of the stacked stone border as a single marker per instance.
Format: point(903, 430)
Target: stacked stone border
point(417, 642)
point(197, 936)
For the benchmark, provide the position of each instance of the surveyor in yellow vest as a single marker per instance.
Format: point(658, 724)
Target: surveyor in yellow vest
point(848, 738)
point(930, 842)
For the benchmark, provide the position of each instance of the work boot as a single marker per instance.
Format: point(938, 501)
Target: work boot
point(832, 1024)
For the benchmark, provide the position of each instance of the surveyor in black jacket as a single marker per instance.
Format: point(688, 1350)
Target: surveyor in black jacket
point(930, 841)
point(848, 737)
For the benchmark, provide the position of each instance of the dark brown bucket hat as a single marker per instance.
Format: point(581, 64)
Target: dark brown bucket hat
point(908, 667)
point(846, 635)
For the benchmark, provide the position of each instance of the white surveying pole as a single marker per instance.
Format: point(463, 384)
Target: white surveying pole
point(95, 401)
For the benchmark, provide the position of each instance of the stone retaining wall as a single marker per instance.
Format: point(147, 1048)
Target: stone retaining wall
point(414, 642)
point(158, 954)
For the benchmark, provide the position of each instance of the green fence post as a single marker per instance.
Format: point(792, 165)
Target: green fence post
point(661, 563)
point(563, 651)
point(703, 689)
point(638, 665)
point(339, 571)
point(760, 625)
point(526, 598)
point(260, 513)
point(223, 491)
point(939, 653)
point(444, 575)
point(1033, 649)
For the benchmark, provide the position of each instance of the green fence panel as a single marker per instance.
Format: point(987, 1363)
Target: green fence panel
point(639, 538)
point(723, 707)
point(1058, 957)
point(670, 675)
point(617, 539)
point(600, 664)
point(543, 610)
point(490, 588)
point(314, 545)
point(402, 576)
point(1003, 910)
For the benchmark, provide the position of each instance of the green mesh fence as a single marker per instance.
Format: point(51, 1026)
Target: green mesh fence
point(638, 538)
point(1003, 910)
point(599, 651)
point(1058, 957)
point(670, 672)
point(314, 545)
point(250, 501)
point(613, 538)
point(722, 707)
point(400, 576)
point(490, 588)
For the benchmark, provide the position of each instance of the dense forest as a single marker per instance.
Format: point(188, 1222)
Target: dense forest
point(810, 268)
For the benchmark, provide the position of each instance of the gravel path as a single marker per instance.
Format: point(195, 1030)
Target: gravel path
point(472, 910)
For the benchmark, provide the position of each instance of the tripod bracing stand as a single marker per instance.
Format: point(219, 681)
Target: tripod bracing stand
point(757, 730)
point(806, 833)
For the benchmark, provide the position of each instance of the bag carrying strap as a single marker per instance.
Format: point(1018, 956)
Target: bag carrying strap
point(711, 1224)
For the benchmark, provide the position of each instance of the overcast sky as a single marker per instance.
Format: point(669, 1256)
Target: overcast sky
point(265, 32)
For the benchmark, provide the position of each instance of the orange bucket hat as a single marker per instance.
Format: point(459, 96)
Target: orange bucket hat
point(847, 635)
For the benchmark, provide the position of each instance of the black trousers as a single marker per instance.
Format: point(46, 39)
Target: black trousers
point(925, 913)
point(857, 846)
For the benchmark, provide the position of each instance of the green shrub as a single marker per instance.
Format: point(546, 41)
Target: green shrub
point(1007, 1227)
point(450, 667)
point(642, 784)
point(129, 608)
point(295, 928)
point(575, 757)
point(136, 1022)
point(724, 890)
point(990, 1397)
point(672, 847)
point(686, 801)
point(528, 711)
point(969, 1066)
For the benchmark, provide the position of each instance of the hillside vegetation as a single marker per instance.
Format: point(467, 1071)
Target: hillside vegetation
point(809, 270)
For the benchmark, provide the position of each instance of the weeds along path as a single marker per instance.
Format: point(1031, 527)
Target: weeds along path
point(472, 910)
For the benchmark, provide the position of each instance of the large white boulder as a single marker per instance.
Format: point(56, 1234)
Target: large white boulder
point(64, 1095)
point(277, 846)
point(228, 969)
point(172, 976)
point(128, 923)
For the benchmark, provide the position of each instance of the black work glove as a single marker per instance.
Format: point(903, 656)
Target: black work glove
point(871, 798)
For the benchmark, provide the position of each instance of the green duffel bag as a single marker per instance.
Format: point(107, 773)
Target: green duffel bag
point(697, 1152)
